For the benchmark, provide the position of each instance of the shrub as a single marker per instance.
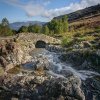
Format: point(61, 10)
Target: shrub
point(66, 42)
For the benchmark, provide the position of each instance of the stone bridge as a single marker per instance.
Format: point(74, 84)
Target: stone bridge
point(36, 37)
point(39, 40)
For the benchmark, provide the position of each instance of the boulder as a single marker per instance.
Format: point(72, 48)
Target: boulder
point(91, 88)
point(66, 73)
point(3, 62)
point(68, 88)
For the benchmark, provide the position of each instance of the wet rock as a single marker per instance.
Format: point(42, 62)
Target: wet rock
point(60, 98)
point(87, 44)
point(85, 59)
point(55, 48)
point(67, 88)
point(14, 98)
point(66, 73)
point(91, 88)
point(35, 87)
point(42, 64)
point(78, 46)
point(98, 52)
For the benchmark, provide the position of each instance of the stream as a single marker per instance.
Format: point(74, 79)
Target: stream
point(56, 67)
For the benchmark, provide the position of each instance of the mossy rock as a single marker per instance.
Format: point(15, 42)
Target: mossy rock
point(15, 70)
point(1, 71)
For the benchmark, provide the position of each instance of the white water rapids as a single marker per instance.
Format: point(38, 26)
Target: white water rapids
point(60, 69)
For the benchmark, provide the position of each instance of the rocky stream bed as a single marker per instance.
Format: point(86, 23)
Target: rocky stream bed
point(46, 77)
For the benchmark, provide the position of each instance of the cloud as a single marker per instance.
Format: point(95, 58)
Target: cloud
point(46, 3)
point(39, 7)
point(33, 10)
point(32, 7)
point(71, 8)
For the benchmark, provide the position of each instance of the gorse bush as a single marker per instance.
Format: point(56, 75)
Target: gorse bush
point(58, 26)
point(66, 42)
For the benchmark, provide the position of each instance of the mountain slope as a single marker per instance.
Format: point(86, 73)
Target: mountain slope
point(84, 13)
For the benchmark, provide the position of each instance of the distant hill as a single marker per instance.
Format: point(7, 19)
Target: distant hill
point(17, 25)
point(84, 13)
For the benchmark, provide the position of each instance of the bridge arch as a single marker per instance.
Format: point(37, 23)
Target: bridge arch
point(40, 44)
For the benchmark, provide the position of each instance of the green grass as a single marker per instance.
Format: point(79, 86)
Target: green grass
point(86, 38)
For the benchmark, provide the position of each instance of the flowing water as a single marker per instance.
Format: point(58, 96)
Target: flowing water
point(58, 68)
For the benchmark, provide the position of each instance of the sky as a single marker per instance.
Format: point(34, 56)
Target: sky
point(40, 10)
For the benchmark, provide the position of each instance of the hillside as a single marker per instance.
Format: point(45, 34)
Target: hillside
point(83, 29)
point(82, 14)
